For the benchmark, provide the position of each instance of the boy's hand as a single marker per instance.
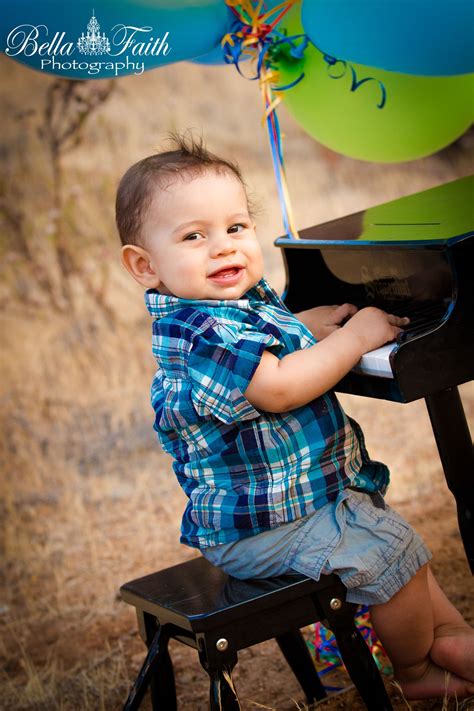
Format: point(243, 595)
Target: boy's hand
point(374, 327)
point(323, 320)
point(280, 385)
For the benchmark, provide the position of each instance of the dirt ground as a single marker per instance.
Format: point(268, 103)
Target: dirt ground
point(88, 500)
point(68, 641)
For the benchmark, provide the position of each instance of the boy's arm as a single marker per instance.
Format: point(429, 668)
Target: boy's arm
point(279, 385)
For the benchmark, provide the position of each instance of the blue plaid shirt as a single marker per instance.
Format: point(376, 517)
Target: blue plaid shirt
point(245, 471)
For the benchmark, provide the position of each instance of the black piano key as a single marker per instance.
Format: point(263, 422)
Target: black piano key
point(422, 316)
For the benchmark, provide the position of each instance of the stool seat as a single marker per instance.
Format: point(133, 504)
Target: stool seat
point(201, 606)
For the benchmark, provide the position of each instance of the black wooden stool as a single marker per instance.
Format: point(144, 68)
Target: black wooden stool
point(199, 605)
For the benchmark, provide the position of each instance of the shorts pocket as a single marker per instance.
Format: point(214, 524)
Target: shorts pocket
point(372, 538)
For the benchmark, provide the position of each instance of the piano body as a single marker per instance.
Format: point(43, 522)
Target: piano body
point(413, 256)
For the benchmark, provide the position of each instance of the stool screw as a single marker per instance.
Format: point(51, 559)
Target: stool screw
point(335, 604)
point(222, 644)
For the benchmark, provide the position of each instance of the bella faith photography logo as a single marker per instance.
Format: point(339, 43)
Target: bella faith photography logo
point(126, 42)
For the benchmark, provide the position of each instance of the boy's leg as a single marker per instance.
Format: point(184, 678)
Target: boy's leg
point(405, 625)
point(453, 645)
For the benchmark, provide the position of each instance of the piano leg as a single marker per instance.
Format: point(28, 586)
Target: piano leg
point(456, 451)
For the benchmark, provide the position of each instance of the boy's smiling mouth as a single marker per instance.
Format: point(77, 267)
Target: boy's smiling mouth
point(227, 275)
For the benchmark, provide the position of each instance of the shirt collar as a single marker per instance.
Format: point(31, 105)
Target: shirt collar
point(160, 305)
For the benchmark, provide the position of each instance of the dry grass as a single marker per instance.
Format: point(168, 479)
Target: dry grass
point(87, 499)
point(93, 511)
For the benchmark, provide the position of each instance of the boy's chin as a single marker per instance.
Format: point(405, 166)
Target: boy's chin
point(230, 293)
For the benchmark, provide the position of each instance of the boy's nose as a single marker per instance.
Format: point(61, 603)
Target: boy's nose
point(224, 244)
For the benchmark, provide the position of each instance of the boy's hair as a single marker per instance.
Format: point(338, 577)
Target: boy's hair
point(136, 188)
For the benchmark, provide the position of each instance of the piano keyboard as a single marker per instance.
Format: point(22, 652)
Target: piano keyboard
point(423, 317)
point(376, 362)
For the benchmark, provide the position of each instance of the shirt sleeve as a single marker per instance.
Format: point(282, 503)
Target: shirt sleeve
point(220, 367)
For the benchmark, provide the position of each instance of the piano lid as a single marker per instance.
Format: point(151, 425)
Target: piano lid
point(439, 216)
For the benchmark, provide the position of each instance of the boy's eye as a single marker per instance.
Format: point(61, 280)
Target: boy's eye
point(193, 236)
point(236, 228)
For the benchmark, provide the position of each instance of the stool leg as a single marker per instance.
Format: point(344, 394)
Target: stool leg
point(162, 684)
point(156, 671)
point(296, 652)
point(222, 697)
point(143, 679)
point(356, 656)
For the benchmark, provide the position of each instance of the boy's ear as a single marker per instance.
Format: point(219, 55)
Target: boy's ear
point(137, 262)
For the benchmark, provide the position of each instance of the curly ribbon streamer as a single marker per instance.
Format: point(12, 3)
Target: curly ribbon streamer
point(332, 61)
point(251, 36)
point(326, 654)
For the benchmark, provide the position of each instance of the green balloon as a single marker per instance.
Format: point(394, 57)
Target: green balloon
point(421, 114)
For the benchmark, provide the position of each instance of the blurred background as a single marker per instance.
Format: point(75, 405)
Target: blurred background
point(88, 500)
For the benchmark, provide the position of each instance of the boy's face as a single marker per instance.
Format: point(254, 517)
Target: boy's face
point(201, 240)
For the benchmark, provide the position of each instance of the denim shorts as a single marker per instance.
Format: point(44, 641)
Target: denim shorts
point(373, 550)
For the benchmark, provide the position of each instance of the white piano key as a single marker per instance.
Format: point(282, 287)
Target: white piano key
point(376, 362)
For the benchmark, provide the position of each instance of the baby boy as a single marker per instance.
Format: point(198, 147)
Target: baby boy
point(277, 476)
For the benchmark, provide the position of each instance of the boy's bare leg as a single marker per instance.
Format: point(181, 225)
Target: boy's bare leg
point(453, 645)
point(406, 627)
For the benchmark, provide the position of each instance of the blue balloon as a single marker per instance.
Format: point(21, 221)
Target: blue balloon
point(424, 37)
point(216, 56)
point(117, 37)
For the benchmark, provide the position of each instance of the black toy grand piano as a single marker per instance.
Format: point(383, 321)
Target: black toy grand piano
point(413, 256)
